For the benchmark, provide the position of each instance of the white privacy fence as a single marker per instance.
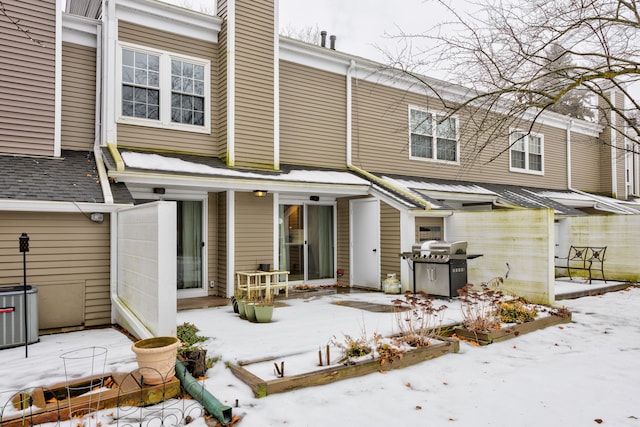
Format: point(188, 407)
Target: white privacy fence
point(144, 298)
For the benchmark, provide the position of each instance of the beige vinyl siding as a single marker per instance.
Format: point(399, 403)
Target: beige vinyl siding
point(67, 252)
point(254, 231)
point(221, 285)
point(312, 116)
point(27, 77)
point(586, 164)
point(221, 118)
point(343, 243)
point(212, 242)
point(78, 97)
point(149, 138)
point(389, 241)
point(381, 142)
point(254, 88)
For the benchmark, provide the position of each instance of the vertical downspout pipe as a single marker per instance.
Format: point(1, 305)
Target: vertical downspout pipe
point(97, 142)
point(614, 157)
point(569, 126)
point(349, 101)
point(231, 82)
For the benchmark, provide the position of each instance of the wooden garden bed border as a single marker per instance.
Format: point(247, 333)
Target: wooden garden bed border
point(332, 374)
point(512, 331)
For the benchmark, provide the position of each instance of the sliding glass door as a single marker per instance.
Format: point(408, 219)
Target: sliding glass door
point(190, 244)
point(307, 241)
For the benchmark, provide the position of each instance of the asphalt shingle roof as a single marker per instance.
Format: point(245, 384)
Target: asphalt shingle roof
point(72, 177)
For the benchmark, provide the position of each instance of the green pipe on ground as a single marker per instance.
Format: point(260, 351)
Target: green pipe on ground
point(199, 393)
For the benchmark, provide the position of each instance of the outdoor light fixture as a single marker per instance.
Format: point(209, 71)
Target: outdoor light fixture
point(314, 198)
point(259, 193)
point(158, 190)
point(97, 217)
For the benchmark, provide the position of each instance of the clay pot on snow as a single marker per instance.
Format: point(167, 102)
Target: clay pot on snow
point(157, 358)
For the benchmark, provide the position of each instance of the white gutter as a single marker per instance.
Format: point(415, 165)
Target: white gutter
point(231, 82)
point(48, 206)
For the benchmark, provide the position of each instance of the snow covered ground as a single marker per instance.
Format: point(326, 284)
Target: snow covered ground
point(582, 373)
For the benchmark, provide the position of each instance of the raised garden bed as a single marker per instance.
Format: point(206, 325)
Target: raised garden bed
point(511, 331)
point(54, 404)
point(263, 387)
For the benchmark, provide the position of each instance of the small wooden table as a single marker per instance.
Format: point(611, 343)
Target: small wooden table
point(257, 280)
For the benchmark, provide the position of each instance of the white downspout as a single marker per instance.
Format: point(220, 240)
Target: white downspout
point(614, 178)
point(276, 88)
point(231, 82)
point(97, 142)
point(57, 95)
point(231, 244)
point(109, 40)
point(569, 182)
point(352, 66)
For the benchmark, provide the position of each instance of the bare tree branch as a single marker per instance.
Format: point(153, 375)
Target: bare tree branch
point(19, 27)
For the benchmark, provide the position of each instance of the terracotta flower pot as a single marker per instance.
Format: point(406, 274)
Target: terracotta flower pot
point(157, 358)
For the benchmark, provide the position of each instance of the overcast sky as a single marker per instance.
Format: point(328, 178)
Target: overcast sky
point(362, 27)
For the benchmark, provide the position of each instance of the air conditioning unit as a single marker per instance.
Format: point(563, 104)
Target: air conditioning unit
point(12, 321)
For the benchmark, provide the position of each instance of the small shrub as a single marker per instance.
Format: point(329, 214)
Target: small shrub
point(187, 333)
point(418, 319)
point(480, 308)
point(354, 348)
point(388, 349)
point(516, 311)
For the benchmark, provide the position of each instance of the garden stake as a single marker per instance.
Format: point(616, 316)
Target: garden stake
point(328, 356)
point(320, 356)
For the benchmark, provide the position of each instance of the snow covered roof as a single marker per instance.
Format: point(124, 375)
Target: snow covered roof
point(211, 174)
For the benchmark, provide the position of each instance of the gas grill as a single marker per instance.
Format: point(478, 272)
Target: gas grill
point(439, 268)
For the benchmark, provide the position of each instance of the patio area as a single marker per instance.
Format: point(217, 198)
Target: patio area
point(562, 355)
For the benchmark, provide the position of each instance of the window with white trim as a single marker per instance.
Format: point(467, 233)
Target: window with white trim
point(526, 152)
point(433, 136)
point(162, 89)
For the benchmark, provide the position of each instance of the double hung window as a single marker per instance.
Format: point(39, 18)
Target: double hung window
point(526, 152)
point(433, 136)
point(163, 89)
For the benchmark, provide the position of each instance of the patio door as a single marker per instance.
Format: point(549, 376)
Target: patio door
point(307, 242)
point(190, 245)
point(365, 241)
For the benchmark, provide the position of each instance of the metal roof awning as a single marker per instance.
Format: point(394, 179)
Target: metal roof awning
point(200, 173)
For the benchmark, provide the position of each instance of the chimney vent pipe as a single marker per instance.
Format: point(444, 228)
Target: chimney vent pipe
point(323, 38)
point(332, 38)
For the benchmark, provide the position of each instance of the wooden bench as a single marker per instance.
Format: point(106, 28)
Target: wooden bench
point(586, 258)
